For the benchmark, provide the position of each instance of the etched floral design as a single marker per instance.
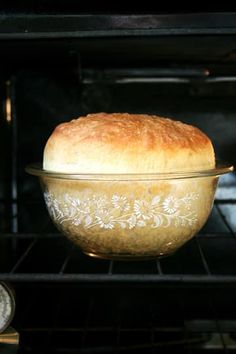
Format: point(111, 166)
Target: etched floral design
point(170, 205)
point(99, 202)
point(105, 220)
point(120, 202)
point(90, 210)
point(132, 220)
point(143, 210)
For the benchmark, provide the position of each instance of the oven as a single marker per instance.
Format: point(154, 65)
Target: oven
point(57, 65)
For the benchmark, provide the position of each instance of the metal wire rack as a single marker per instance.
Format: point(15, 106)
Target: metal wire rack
point(207, 259)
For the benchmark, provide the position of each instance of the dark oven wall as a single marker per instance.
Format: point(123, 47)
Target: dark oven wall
point(66, 301)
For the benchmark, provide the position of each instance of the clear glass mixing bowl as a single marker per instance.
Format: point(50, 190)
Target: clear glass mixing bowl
point(129, 216)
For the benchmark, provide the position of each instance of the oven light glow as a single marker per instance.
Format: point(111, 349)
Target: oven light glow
point(8, 109)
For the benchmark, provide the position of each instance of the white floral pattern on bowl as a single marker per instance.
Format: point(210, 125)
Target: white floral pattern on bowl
point(119, 210)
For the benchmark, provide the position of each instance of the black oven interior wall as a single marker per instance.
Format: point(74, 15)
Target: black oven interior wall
point(65, 300)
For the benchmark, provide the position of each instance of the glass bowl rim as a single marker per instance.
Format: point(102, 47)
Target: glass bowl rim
point(220, 169)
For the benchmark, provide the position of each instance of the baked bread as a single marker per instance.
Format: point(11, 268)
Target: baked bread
point(127, 143)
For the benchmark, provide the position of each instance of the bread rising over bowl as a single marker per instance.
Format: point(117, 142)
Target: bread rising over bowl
point(127, 143)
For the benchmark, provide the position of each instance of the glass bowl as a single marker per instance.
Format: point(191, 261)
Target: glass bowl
point(129, 216)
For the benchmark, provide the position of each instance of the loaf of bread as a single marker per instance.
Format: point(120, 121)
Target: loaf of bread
point(127, 143)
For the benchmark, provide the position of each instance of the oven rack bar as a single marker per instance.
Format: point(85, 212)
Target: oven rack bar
point(46, 26)
point(63, 262)
point(170, 281)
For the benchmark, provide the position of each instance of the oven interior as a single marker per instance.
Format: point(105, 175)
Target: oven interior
point(55, 68)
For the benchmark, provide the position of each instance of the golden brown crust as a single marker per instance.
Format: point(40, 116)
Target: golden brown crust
point(127, 143)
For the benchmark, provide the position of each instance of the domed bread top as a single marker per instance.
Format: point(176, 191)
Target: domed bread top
point(127, 143)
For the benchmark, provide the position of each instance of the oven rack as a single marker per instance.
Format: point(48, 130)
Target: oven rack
point(194, 337)
point(209, 258)
point(55, 318)
point(48, 26)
